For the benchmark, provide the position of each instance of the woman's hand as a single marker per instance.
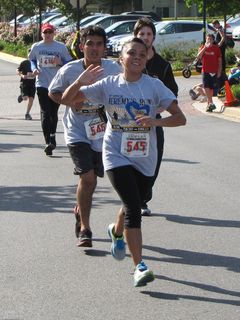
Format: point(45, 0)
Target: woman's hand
point(90, 75)
point(145, 121)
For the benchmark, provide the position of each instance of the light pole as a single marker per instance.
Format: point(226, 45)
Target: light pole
point(204, 20)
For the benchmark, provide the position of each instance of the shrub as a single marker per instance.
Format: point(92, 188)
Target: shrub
point(236, 90)
point(230, 57)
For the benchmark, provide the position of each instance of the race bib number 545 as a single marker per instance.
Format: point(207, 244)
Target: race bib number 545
point(135, 144)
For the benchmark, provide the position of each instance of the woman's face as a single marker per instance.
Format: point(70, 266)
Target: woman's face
point(134, 57)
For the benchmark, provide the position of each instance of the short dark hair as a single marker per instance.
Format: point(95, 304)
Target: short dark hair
point(93, 31)
point(144, 22)
point(215, 22)
point(134, 40)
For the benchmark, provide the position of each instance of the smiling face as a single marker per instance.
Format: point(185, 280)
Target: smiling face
point(93, 49)
point(133, 59)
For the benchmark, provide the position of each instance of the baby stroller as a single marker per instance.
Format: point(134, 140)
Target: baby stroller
point(187, 70)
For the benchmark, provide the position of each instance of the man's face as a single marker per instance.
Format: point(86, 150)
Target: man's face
point(48, 35)
point(146, 35)
point(93, 49)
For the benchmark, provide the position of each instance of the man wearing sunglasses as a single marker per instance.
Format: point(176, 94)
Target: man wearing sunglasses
point(47, 56)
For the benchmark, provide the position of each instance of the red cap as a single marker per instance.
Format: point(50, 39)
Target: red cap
point(47, 26)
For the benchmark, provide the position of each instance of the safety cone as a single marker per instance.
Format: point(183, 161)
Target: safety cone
point(230, 99)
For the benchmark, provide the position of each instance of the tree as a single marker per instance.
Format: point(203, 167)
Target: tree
point(217, 7)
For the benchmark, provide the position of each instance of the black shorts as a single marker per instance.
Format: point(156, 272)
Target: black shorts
point(85, 159)
point(209, 81)
point(27, 90)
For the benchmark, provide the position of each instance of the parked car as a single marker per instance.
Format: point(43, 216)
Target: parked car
point(61, 22)
point(52, 18)
point(120, 27)
point(236, 34)
point(90, 18)
point(153, 15)
point(35, 19)
point(186, 32)
point(19, 19)
point(105, 22)
point(231, 24)
point(73, 26)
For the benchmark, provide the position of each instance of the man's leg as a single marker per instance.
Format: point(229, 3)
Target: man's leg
point(86, 186)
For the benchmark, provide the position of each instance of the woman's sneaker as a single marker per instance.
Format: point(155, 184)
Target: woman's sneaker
point(142, 275)
point(118, 249)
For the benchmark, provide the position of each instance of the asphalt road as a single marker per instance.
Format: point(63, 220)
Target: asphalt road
point(191, 241)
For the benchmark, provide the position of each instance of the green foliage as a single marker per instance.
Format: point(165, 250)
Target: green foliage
point(230, 56)
point(180, 52)
point(236, 90)
point(217, 7)
point(177, 65)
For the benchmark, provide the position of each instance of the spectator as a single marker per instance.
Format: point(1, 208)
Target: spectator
point(47, 56)
point(234, 75)
point(211, 57)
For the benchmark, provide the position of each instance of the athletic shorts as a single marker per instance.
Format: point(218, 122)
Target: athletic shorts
point(209, 81)
point(27, 90)
point(85, 159)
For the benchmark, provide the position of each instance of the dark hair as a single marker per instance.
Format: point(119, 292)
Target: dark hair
point(215, 22)
point(134, 40)
point(210, 35)
point(144, 22)
point(93, 31)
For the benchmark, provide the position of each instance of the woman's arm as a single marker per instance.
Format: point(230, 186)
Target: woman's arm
point(73, 95)
point(176, 119)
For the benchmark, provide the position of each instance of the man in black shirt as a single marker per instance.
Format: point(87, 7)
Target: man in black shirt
point(159, 68)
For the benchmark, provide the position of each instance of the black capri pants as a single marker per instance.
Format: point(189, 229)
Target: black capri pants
point(131, 186)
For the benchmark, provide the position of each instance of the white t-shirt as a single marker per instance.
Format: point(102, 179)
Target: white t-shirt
point(125, 142)
point(82, 125)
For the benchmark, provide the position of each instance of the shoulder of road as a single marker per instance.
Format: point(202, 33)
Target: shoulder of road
point(231, 113)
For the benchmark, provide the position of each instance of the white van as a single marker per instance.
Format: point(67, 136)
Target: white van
point(185, 32)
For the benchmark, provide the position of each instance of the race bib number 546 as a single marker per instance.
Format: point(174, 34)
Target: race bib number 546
point(95, 128)
point(135, 144)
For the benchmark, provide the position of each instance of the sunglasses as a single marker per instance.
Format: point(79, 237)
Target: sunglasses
point(48, 31)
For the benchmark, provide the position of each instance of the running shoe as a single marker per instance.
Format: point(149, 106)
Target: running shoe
point(49, 148)
point(20, 99)
point(53, 141)
point(142, 275)
point(118, 249)
point(145, 211)
point(28, 116)
point(211, 107)
point(78, 221)
point(85, 238)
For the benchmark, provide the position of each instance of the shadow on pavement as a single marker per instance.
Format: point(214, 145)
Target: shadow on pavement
point(44, 199)
point(198, 221)
point(194, 258)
